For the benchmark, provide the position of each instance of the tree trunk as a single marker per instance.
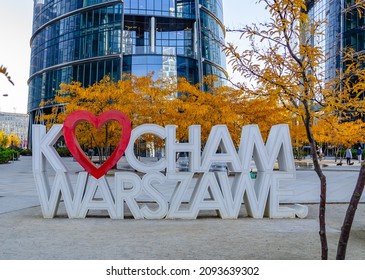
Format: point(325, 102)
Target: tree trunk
point(322, 218)
point(322, 202)
point(350, 214)
point(323, 185)
point(336, 153)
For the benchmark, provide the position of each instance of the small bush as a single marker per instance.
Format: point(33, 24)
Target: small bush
point(5, 155)
point(63, 152)
point(26, 152)
point(301, 154)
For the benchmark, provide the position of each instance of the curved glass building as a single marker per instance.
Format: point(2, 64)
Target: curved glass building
point(73, 40)
point(84, 40)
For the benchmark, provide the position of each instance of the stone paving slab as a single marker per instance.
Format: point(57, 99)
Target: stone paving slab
point(26, 235)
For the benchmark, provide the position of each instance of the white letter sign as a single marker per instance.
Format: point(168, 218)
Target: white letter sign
point(159, 190)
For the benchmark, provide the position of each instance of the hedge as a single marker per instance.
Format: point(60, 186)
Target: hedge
point(6, 155)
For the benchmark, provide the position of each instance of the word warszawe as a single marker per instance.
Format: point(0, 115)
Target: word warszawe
point(217, 191)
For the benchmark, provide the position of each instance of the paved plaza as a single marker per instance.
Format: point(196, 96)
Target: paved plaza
point(25, 234)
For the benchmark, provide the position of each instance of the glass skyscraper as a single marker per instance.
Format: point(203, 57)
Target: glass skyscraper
point(84, 40)
point(329, 37)
point(353, 27)
point(344, 28)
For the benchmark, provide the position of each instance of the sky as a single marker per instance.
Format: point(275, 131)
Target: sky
point(16, 30)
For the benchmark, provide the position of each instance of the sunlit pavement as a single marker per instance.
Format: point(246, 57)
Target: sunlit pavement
point(26, 234)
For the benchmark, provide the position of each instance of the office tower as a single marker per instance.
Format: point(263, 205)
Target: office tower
point(329, 35)
point(84, 40)
point(344, 28)
point(353, 26)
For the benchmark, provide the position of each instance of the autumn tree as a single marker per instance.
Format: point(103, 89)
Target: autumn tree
point(14, 140)
point(160, 102)
point(130, 96)
point(348, 104)
point(140, 98)
point(283, 62)
point(226, 105)
point(9, 140)
point(4, 139)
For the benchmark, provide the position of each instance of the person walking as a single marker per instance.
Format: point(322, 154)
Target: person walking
point(359, 154)
point(348, 156)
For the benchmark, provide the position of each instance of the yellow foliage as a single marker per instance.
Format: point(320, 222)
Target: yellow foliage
point(287, 66)
point(163, 103)
point(11, 140)
point(14, 140)
point(4, 139)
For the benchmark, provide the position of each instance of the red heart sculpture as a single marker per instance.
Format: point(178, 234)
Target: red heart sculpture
point(72, 143)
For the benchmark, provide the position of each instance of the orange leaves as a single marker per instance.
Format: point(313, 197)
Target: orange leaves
point(286, 64)
point(9, 140)
point(4, 139)
point(163, 103)
point(329, 129)
point(282, 58)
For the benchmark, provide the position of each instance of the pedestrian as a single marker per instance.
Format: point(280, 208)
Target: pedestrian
point(90, 153)
point(359, 154)
point(319, 152)
point(348, 156)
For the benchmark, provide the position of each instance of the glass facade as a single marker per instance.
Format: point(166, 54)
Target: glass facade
point(212, 35)
point(73, 41)
point(329, 37)
point(354, 34)
point(159, 39)
point(173, 38)
point(161, 8)
point(84, 40)
point(345, 28)
point(353, 27)
point(345, 25)
point(333, 39)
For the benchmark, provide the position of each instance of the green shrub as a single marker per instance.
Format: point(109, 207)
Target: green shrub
point(5, 155)
point(63, 152)
point(26, 152)
point(302, 153)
